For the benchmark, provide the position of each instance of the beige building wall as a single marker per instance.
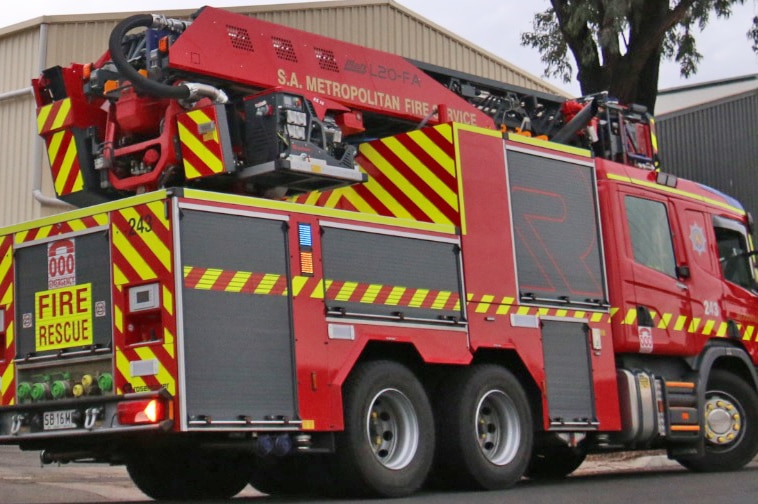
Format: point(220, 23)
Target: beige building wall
point(25, 49)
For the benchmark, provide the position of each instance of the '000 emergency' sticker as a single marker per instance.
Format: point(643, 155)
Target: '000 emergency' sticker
point(64, 317)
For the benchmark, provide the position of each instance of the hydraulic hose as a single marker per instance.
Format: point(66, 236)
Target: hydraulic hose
point(139, 81)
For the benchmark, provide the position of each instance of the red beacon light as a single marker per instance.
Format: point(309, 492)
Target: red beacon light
point(150, 410)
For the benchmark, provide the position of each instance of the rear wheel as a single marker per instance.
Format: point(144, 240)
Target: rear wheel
point(731, 432)
point(187, 475)
point(387, 446)
point(484, 428)
point(553, 459)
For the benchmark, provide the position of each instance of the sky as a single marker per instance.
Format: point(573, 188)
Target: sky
point(494, 25)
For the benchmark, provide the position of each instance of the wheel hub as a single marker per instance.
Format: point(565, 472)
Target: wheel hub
point(392, 429)
point(497, 427)
point(723, 421)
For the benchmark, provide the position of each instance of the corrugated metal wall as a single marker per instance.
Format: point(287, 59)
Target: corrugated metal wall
point(715, 144)
point(20, 51)
point(380, 24)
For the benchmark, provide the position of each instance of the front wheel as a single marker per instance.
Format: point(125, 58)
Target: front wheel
point(485, 429)
point(387, 446)
point(731, 432)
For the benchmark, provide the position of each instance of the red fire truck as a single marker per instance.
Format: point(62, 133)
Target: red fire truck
point(315, 267)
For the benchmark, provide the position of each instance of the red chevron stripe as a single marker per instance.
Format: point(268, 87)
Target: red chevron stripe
point(280, 286)
point(192, 158)
point(72, 176)
point(447, 146)
point(222, 282)
point(419, 183)
point(142, 248)
point(451, 302)
point(54, 108)
point(430, 162)
point(31, 235)
point(334, 289)
point(252, 283)
point(57, 163)
point(383, 180)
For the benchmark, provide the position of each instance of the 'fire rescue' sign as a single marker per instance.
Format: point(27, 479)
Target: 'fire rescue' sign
point(61, 264)
point(64, 317)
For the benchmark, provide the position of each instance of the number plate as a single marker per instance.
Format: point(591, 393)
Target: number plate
point(54, 420)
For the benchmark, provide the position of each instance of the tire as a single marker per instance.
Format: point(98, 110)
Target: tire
point(187, 475)
point(387, 447)
point(288, 476)
point(551, 461)
point(731, 413)
point(485, 429)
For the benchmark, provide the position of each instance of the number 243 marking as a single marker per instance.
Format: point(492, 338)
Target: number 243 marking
point(711, 308)
point(142, 225)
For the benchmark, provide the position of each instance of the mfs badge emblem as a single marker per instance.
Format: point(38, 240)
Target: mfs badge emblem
point(697, 238)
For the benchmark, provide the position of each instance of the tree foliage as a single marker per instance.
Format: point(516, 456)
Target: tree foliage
point(617, 45)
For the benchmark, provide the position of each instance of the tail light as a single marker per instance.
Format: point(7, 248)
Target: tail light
point(142, 411)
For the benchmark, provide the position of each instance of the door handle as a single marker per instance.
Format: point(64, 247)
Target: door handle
point(682, 286)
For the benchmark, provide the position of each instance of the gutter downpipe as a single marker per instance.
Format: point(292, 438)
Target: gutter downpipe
point(38, 145)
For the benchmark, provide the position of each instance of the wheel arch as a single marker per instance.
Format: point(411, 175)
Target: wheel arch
point(728, 358)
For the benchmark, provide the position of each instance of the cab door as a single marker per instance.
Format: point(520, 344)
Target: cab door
point(656, 308)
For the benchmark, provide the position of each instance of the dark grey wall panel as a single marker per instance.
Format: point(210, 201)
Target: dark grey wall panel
point(367, 258)
point(237, 345)
point(556, 230)
point(715, 144)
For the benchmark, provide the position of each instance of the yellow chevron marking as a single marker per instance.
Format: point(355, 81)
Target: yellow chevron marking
point(376, 189)
point(190, 171)
point(748, 333)
point(561, 312)
point(208, 279)
point(7, 378)
point(446, 131)
point(135, 258)
point(356, 200)
point(523, 310)
point(722, 330)
point(200, 117)
point(153, 242)
point(395, 294)
point(447, 194)
point(347, 290)
point(439, 155)
point(503, 309)
point(122, 364)
point(298, 282)
point(484, 304)
point(631, 317)
point(168, 339)
point(118, 318)
point(543, 312)
point(665, 321)
point(168, 301)
point(596, 317)
point(119, 278)
point(708, 328)
point(418, 298)
point(371, 292)
point(200, 150)
point(238, 281)
point(405, 185)
point(580, 314)
point(62, 115)
point(320, 289)
point(680, 322)
point(694, 323)
point(266, 283)
point(457, 306)
point(42, 115)
point(441, 300)
point(55, 145)
point(469, 297)
point(9, 333)
point(67, 166)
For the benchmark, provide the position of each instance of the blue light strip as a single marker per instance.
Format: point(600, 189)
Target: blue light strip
point(305, 235)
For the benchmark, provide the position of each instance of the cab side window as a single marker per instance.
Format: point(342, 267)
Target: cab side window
point(733, 257)
point(651, 234)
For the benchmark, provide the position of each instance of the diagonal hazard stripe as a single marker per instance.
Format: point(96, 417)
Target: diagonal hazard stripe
point(62, 113)
point(153, 250)
point(198, 148)
point(132, 257)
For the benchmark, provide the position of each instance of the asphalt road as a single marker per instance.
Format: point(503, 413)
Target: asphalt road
point(650, 479)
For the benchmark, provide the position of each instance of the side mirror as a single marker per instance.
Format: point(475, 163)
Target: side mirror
point(683, 271)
